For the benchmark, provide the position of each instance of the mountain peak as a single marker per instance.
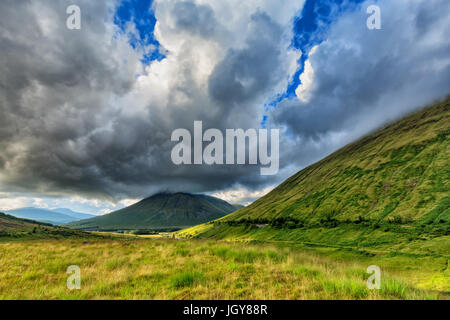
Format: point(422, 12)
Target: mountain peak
point(164, 210)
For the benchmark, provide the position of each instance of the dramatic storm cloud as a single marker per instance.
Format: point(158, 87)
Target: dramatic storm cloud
point(359, 79)
point(82, 114)
point(89, 113)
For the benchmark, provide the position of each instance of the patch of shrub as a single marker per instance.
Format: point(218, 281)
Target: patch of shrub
point(186, 279)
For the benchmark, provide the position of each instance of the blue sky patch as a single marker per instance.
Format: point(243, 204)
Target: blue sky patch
point(140, 12)
point(311, 29)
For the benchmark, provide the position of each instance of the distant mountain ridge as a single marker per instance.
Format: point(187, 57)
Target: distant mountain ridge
point(160, 211)
point(53, 216)
point(74, 214)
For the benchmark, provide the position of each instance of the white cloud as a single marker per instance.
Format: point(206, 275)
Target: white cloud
point(306, 79)
point(128, 202)
point(242, 195)
point(7, 202)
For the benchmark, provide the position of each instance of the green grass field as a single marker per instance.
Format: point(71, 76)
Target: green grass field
point(204, 269)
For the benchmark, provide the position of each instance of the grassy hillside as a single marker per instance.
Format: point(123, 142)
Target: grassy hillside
point(16, 228)
point(163, 211)
point(391, 187)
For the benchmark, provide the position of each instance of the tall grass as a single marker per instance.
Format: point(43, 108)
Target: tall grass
point(166, 269)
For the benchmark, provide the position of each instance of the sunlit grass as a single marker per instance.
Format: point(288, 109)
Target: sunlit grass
point(171, 269)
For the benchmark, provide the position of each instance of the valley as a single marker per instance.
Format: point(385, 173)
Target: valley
point(381, 201)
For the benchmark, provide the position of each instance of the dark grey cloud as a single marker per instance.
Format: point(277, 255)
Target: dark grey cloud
point(243, 74)
point(76, 118)
point(195, 19)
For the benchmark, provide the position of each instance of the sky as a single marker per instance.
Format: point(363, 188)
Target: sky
point(87, 115)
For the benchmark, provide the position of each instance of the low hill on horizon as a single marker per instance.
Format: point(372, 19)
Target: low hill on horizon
point(390, 186)
point(17, 228)
point(74, 214)
point(163, 211)
point(53, 216)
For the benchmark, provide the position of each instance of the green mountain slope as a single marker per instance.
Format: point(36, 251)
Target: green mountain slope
point(389, 186)
point(161, 211)
point(9, 223)
point(16, 228)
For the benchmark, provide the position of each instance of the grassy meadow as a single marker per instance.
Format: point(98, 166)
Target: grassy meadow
point(205, 269)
